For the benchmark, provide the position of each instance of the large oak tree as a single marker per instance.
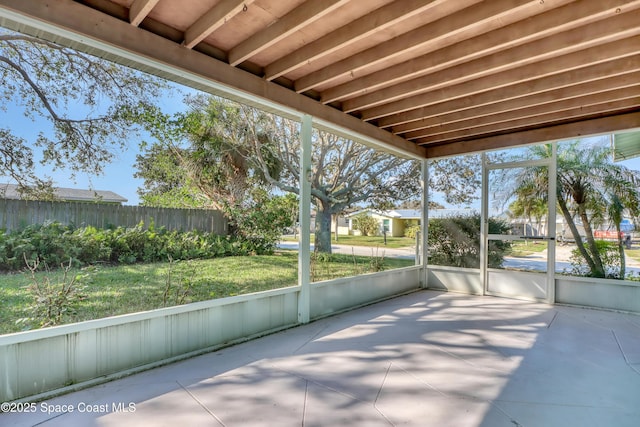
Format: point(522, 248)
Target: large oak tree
point(84, 108)
point(225, 149)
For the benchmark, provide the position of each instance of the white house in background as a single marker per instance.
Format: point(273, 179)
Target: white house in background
point(397, 220)
point(10, 191)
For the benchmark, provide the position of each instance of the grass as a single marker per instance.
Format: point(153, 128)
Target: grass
point(523, 249)
point(368, 241)
point(633, 253)
point(125, 289)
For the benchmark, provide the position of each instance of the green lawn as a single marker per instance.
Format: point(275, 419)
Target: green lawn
point(368, 241)
point(126, 289)
point(633, 253)
point(524, 248)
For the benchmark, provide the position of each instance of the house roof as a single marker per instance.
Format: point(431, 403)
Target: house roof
point(9, 191)
point(427, 78)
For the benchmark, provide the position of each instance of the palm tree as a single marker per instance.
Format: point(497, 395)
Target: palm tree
point(590, 187)
point(528, 206)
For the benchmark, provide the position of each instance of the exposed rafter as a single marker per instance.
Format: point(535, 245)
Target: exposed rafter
point(370, 24)
point(445, 101)
point(516, 63)
point(536, 27)
point(542, 134)
point(140, 9)
point(422, 77)
point(564, 115)
point(597, 92)
point(289, 24)
point(216, 17)
point(449, 29)
point(528, 74)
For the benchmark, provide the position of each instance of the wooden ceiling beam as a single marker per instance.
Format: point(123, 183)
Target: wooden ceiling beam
point(528, 74)
point(374, 22)
point(571, 114)
point(134, 47)
point(555, 21)
point(460, 23)
point(139, 10)
point(494, 67)
point(293, 21)
point(584, 94)
point(597, 78)
point(546, 134)
point(215, 18)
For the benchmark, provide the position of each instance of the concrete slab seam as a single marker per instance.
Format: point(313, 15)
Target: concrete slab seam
point(201, 404)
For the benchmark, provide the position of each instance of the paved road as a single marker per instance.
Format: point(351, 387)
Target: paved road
point(535, 262)
point(539, 263)
point(406, 253)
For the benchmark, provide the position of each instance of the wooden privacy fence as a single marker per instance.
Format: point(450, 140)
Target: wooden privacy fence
point(17, 214)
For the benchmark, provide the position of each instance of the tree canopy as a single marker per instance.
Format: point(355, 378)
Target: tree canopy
point(226, 149)
point(592, 192)
point(92, 106)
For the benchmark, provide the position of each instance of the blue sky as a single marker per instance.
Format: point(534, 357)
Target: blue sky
point(118, 175)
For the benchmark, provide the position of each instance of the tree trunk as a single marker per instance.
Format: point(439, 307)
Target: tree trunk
point(576, 235)
point(623, 263)
point(323, 227)
point(591, 241)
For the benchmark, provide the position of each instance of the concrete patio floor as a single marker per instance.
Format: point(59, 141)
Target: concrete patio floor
point(423, 359)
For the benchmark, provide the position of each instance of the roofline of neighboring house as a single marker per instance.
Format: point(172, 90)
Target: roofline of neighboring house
point(9, 191)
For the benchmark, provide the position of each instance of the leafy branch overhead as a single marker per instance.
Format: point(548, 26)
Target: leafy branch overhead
point(91, 106)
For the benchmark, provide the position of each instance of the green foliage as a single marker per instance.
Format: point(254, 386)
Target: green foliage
point(411, 231)
point(223, 151)
point(177, 293)
point(121, 289)
point(54, 244)
point(52, 301)
point(456, 178)
point(366, 224)
point(51, 84)
point(377, 262)
point(326, 266)
point(455, 241)
point(608, 252)
point(263, 219)
point(592, 191)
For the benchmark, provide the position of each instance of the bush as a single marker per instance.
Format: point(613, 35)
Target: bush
point(367, 225)
point(54, 244)
point(609, 254)
point(411, 231)
point(53, 300)
point(260, 223)
point(455, 241)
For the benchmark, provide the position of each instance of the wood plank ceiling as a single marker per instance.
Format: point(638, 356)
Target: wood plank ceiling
point(440, 76)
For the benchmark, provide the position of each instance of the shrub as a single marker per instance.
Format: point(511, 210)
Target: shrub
point(455, 241)
point(53, 244)
point(53, 300)
point(367, 225)
point(260, 223)
point(610, 260)
point(411, 231)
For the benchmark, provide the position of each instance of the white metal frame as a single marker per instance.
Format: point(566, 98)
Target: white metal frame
point(550, 163)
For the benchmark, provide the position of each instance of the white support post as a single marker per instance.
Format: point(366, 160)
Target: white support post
point(424, 224)
point(484, 226)
point(304, 242)
point(551, 226)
